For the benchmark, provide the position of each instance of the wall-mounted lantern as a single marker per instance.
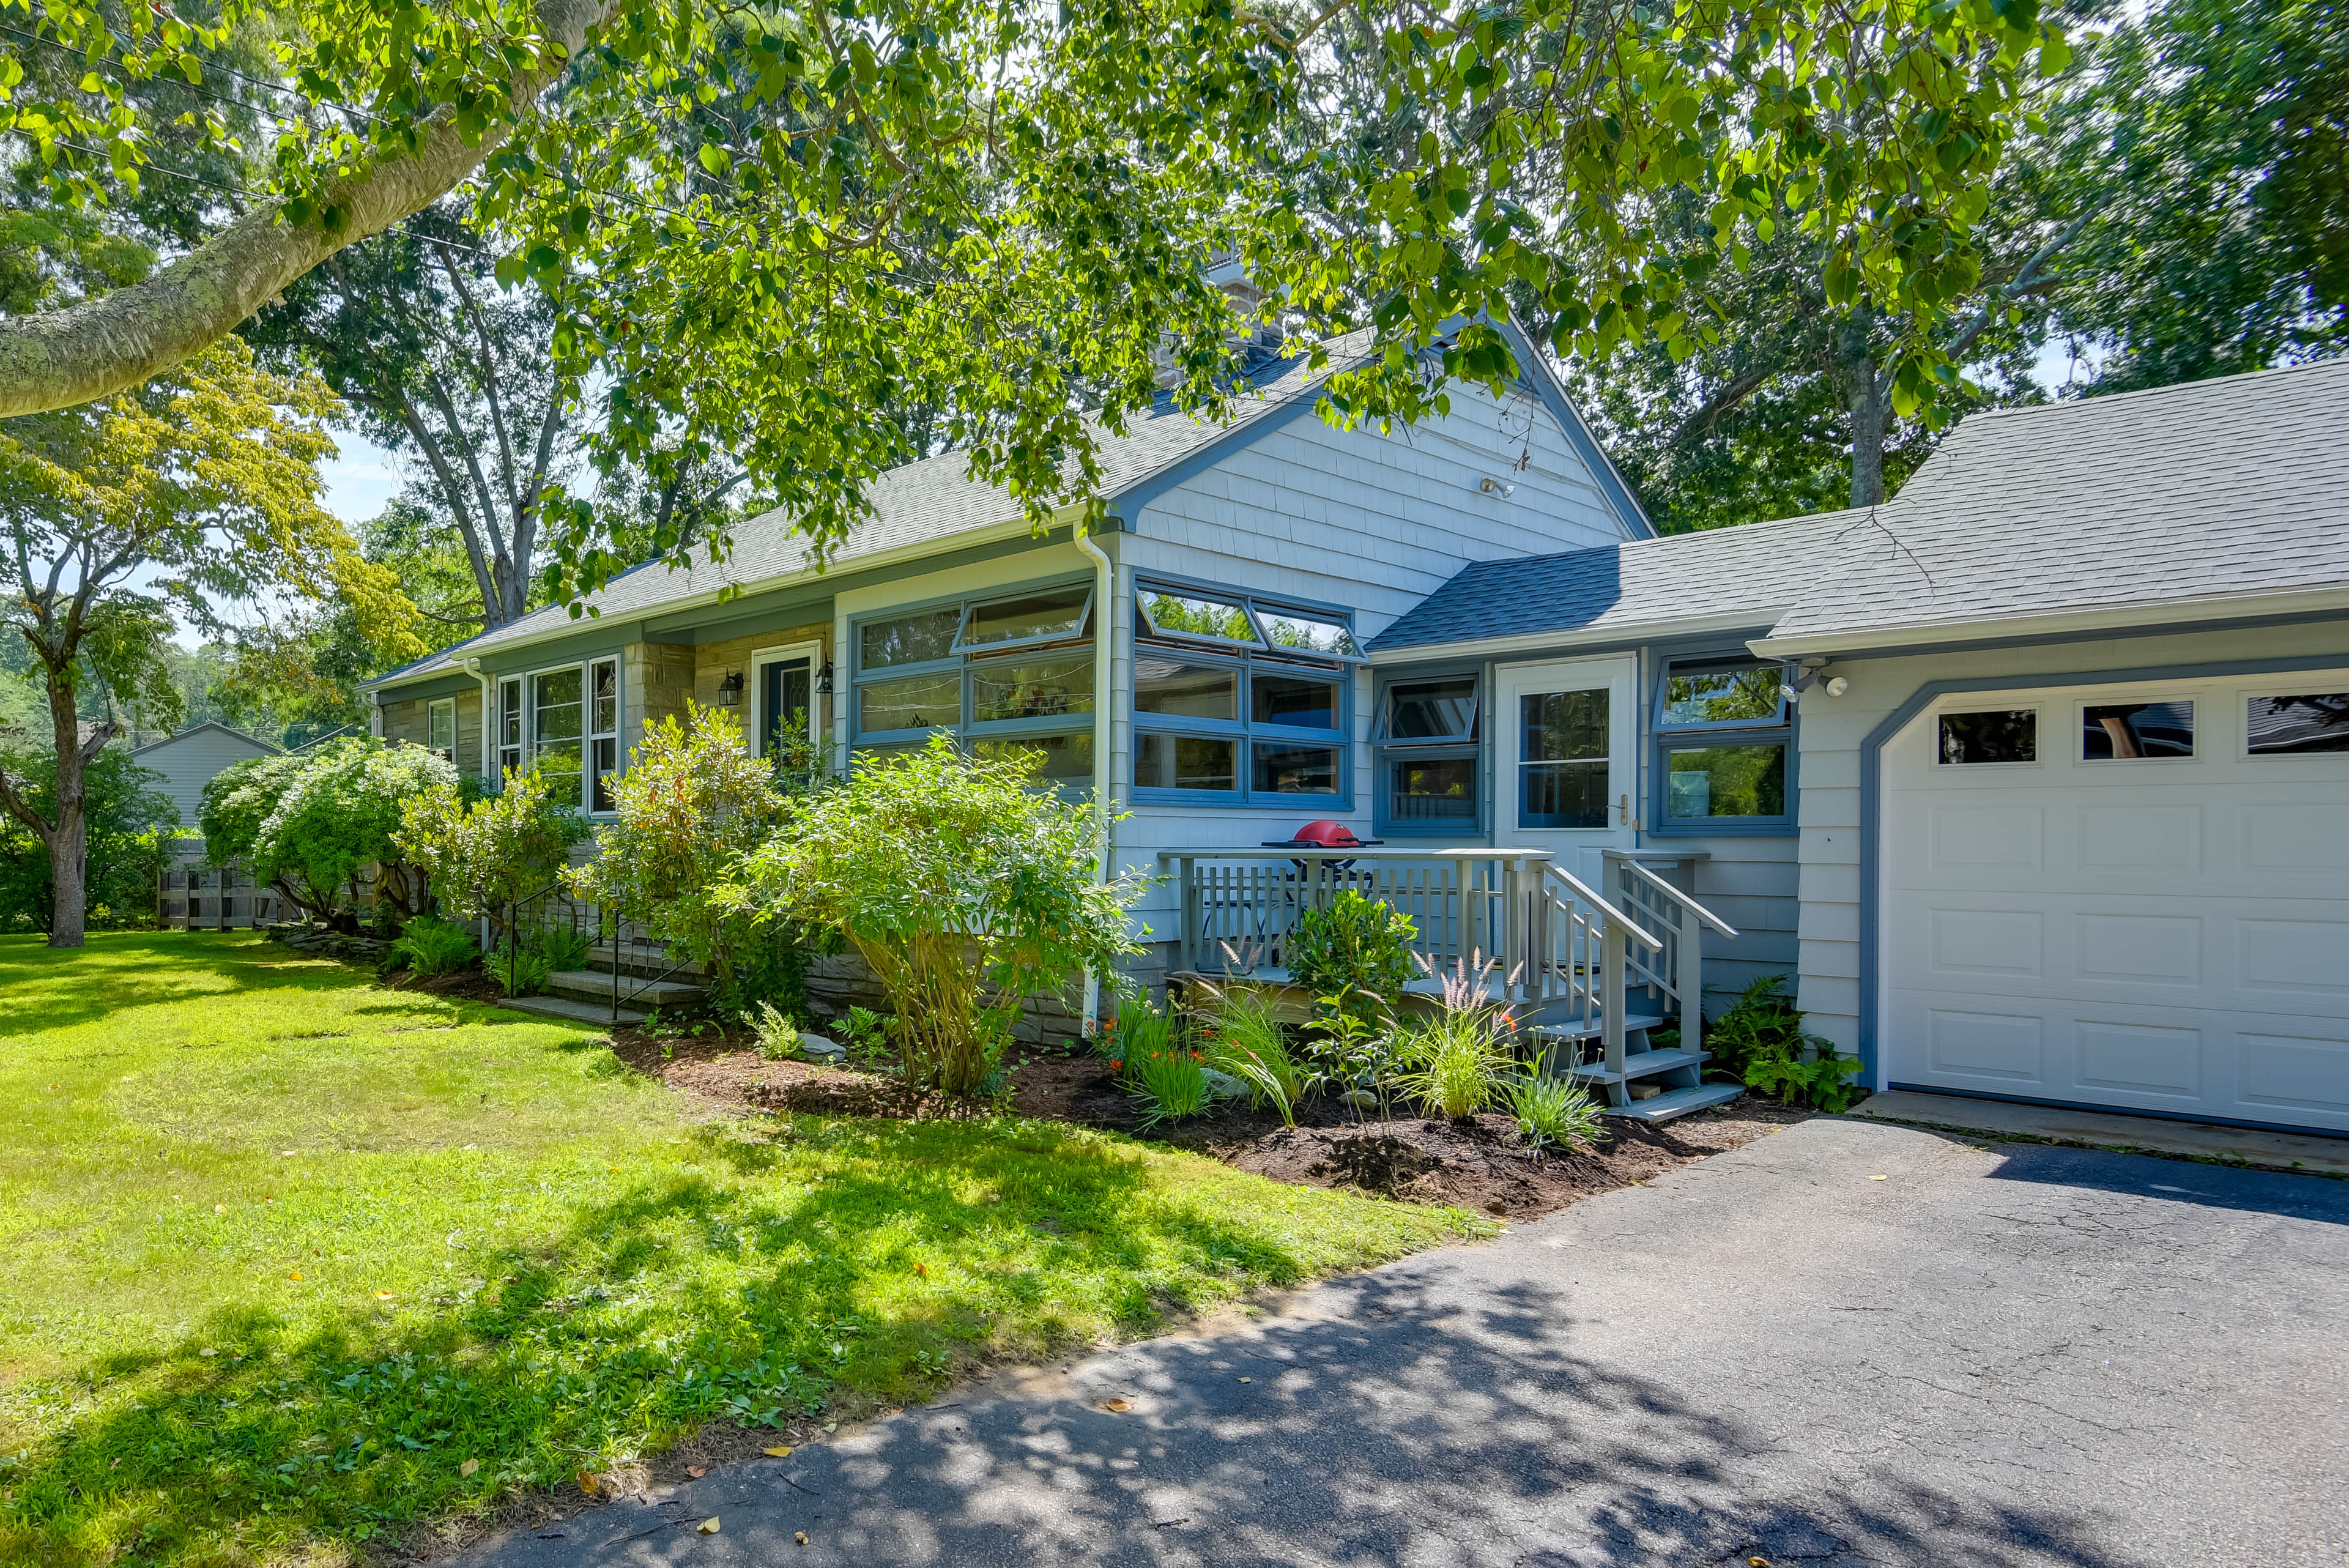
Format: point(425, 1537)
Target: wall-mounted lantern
point(730, 691)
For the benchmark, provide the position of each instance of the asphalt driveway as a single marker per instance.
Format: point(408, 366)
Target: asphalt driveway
point(2021, 1355)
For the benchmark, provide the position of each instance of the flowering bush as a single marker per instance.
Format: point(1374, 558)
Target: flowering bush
point(309, 823)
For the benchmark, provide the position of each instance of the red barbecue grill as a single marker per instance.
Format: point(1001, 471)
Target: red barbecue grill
point(1323, 835)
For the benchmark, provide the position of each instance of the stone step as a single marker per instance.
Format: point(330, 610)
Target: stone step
point(643, 959)
point(564, 1007)
point(1676, 1103)
point(596, 985)
point(1640, 1065)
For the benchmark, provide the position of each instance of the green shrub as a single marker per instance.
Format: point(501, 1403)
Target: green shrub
point(1168, 1086)
point(519, 972)
point(1354, 945)
point(565, 949)
point(866, 1033)
point(1552, 1110)
point(965, 887)
point(433, 946)
point(1452, 1064)
point(779, 1037)
point(690, 811)
point(125, 853)
point(482, 853)
point(306, 824)
point(1761, 1039)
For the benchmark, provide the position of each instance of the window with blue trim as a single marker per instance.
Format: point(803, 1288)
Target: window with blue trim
point(1009, 671)
point(1240, 699)
point(1427, 754)
point(1723, 741)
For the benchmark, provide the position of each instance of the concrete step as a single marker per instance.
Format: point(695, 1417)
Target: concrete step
point(1676, 1103)
point(1640, 1065)
point(575, 1011)
point(642, 959)
point(596, 985)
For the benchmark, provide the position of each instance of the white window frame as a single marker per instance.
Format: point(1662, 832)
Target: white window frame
point(588, 732)
point(512, 726)
point(434, 712)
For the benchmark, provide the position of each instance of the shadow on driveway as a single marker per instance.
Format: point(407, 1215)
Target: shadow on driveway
point(1847, 1342)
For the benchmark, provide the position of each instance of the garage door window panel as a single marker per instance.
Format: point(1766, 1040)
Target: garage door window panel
point(1989, 738)
point(2136, 732)
point(2295, 725)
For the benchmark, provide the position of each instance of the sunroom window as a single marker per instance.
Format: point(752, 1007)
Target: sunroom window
point(1429, 770)
point(1240, 699)
point(1004, 672)
point(1724, 738)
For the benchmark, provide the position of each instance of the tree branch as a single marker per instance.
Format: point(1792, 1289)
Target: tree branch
point(55, 359)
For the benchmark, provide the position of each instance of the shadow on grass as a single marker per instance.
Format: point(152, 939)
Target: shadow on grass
point(58, 988)
point(614, 1334)
point(1413, 1422)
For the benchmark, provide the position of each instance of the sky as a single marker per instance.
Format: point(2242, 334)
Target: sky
point(360, 478)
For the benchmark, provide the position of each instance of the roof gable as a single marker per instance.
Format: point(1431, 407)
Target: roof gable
point(935, 503)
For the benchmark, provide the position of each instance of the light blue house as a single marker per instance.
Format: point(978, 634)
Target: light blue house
point(1625, 766)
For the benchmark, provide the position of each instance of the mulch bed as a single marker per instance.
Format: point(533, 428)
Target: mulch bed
point(1478, 1163)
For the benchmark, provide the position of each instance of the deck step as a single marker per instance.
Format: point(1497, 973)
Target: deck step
point(1575, 1028)
point(596, 985)
point(564, 1007)
point(1676, 1103)
point(1640, 1065)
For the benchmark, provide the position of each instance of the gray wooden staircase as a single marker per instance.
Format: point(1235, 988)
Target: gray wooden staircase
point(1628, 965)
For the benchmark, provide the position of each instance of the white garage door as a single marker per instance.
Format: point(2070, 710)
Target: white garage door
point(2135, 898)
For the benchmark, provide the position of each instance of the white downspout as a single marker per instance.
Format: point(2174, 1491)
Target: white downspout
point(1104, 598)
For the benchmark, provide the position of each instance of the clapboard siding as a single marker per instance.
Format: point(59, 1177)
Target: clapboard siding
point(192, 759)
point(1376, 522)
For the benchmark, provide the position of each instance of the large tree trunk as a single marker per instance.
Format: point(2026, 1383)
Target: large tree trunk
point(67, 834)
point(56, 359)
point(1868, 401)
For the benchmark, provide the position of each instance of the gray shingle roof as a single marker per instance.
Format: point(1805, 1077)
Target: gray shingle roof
point(1757, 569)
point(930, 500)
point(2213, 490)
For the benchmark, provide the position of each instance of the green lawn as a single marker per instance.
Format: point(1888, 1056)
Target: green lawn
point(286, 1250)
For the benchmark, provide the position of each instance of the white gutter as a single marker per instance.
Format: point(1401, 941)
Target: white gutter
point(488, 682)
point(1104, 598)
point(2154, 618)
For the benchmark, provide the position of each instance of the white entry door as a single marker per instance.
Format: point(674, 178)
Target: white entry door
point(2129, 897)
point(1566, 734)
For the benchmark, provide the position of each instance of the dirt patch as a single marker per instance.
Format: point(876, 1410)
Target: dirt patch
point(1478, 1163)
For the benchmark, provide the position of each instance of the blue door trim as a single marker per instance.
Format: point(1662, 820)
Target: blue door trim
point(1871, 798)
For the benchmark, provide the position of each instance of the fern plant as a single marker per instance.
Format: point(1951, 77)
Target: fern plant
point(1761, 1040)
point(433, 946)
